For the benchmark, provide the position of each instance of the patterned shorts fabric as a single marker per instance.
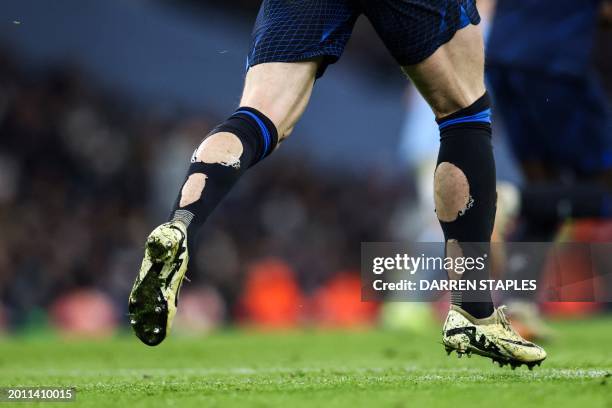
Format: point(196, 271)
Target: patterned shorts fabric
point(298, 30)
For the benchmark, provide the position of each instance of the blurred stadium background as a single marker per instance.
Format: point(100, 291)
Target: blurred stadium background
point(101, 104)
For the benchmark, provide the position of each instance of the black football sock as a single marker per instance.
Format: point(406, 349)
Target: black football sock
point(465, 144)
point(258, 137)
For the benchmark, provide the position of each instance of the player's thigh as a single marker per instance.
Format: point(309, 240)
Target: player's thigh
point(438, 44)
point(452, 77)
point(281, 91)
point(292, 43)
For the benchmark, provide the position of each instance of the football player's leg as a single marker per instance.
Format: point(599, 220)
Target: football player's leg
point(275, 95)
point(440, 47)
point(452, 81)
point(292, 44)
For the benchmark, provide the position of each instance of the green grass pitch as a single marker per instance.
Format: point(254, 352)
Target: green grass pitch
point(373, 368)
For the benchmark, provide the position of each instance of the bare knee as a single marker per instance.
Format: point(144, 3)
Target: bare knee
point(451, 192)
point(222, 148)
point(219, 148)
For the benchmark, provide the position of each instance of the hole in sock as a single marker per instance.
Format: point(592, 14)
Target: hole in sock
point(221, 148)
point(192, 189)
point(451, 192)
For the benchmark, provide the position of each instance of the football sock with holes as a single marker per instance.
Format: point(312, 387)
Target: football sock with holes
point(465, 142)
point(258, 136)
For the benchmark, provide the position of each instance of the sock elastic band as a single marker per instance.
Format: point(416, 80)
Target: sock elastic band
point(478, 112)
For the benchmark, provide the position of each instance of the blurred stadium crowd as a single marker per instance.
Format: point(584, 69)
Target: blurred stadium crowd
point(84, 176)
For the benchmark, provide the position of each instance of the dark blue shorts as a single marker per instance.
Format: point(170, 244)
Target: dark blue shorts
point(561, 121)
point(298, 30)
